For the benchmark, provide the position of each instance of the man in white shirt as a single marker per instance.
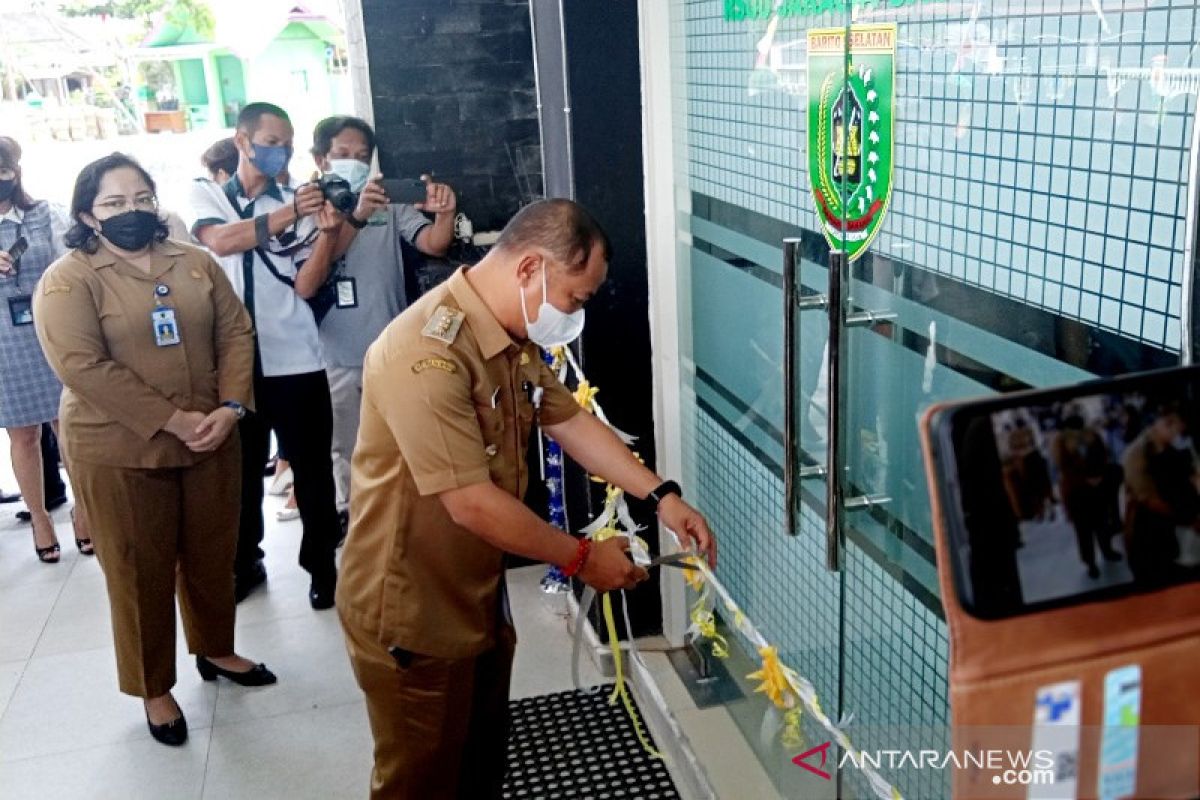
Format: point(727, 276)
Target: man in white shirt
point(276, 243)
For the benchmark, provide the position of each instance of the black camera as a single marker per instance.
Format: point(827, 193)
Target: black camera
point(337, 191)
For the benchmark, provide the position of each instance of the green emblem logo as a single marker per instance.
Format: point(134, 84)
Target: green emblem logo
point(851, 122)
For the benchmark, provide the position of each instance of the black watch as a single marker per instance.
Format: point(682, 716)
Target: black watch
point(354, 223)
point(660, 494)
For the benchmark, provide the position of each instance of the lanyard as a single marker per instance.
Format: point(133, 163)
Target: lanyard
point(16, 267)
point(268, 262)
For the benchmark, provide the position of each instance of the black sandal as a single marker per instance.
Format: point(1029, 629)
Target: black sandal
point(46, 555)
point(84, 545)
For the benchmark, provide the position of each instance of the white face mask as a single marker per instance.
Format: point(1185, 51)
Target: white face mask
point(553, 328)
point(352, 170)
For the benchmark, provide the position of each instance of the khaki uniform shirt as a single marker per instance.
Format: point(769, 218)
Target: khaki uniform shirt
point(446, 404)
point(92, 313)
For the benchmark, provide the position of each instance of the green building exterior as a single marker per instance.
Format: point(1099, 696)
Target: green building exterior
point(296, 60)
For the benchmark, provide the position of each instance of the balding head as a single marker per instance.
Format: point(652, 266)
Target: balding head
point(552, 251)
point(561, 228)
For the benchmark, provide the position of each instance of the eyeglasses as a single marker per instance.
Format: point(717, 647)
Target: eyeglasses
point(119, 205)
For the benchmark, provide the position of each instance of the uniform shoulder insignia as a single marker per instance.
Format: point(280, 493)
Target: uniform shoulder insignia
point(55, 288)
point(444, 324)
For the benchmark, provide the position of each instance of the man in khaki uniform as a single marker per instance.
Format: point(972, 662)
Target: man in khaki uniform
point(452, 389)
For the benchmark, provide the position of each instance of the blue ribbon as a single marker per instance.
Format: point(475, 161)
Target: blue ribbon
point(554, 581)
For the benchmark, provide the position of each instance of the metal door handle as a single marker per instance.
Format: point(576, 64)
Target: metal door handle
point(863, 319)
point(834, 302)
point(836, 503)
point(793, 472)
point(833, 412)
point(790, 446)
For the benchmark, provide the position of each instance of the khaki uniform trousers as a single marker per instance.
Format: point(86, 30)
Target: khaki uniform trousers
point(158, 531)
point(440, 725)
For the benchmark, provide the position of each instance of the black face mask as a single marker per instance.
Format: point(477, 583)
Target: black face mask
point(7, 188)
point(132, 230)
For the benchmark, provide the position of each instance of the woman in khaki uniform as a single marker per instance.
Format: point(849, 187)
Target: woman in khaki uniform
point(155, 352)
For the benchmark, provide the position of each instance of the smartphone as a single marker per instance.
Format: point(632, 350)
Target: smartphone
point(18, 248)
point(404, 190)
point(1063, 496)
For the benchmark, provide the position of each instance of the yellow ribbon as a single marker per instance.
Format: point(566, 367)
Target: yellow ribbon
point(706, 624)
point(774, 683)
point(694, 577)
point(621, 690)
point(793, 736)
point(607, 532)
point(585, 395)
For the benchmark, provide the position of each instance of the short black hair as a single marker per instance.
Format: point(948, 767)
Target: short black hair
point(250, 116)
point(562, 227)
point(331, 126)
point(80, 236)
point(223, 154)
point(10, 158)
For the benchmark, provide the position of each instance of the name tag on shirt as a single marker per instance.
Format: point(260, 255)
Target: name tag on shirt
point(347, 293)
point(166, 330)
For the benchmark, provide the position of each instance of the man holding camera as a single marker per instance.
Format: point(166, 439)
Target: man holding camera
point(276, 243)
point(366, 288)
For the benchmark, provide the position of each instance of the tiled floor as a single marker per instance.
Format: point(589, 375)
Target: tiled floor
point(66, 732)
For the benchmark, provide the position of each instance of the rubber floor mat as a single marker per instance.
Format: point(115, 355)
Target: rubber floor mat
point(576, 746)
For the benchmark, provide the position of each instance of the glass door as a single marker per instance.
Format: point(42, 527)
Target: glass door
point(1035, 229)
point(1027, 220)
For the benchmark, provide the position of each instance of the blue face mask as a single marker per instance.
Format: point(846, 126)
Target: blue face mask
point(270, 160)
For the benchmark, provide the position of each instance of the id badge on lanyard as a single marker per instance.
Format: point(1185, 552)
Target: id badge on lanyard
point(20, 310)
point(347, 292)
point(20, 306)
point(162, 318)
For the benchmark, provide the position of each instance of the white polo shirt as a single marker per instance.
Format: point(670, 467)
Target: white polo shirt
point(284, 323)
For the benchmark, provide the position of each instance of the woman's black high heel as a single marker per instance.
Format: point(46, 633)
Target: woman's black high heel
point(172, 734)
point(259, 675)
point(46, 555)
point(84, 545)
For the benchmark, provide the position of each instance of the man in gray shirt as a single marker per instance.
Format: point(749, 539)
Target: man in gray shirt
point(368, 283)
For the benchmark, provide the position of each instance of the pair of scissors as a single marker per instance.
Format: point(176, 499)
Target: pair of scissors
point(678, 560)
